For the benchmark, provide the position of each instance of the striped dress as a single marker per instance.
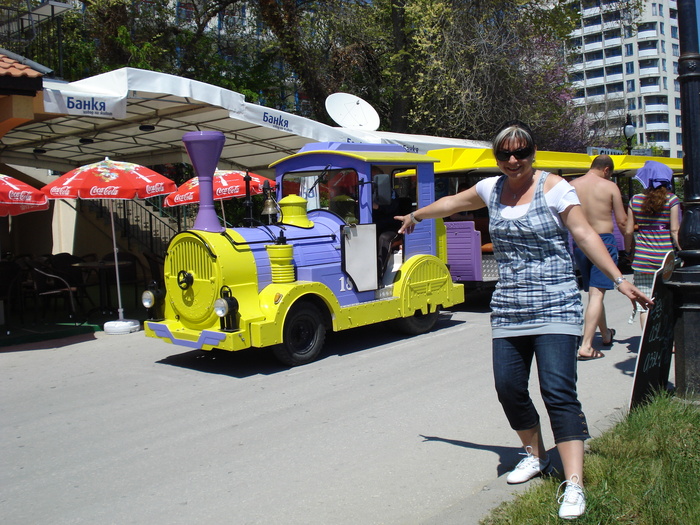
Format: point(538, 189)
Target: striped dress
point(653, 239)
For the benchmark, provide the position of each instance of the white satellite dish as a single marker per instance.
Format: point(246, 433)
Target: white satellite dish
point(351, 112)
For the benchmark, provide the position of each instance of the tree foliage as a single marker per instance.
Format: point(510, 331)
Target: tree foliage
point(441, 67)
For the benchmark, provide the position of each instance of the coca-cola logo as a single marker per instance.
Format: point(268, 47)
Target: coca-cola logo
point(107, 191)
point(184, 197)
point(63, 191)
point(20, 196)
point(158, 187)
point(230, 190)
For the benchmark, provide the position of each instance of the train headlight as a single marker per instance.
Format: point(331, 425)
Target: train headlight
point(226, 307)
point(152, 299)
point(223, 306)
point(148, 298)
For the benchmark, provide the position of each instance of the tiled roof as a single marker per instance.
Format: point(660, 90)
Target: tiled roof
point(12, 68)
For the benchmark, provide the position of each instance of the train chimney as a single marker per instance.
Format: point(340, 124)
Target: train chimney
point(204, 149)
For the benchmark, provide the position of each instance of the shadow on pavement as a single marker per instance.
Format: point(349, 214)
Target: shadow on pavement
point(254, 361)
point(508, 456)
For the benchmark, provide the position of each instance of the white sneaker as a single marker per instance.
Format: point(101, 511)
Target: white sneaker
point(572, 502)
point(529, 467)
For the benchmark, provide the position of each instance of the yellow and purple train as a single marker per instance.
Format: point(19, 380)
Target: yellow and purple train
point(328, 259)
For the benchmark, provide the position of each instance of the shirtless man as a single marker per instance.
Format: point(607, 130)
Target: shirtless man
point(599, 197)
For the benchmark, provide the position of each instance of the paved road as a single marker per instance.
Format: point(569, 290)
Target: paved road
point(381, 430)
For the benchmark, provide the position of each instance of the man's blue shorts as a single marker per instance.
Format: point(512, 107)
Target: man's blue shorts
point(590, 274)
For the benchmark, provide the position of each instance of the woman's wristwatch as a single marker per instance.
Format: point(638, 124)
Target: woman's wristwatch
point(414, 219)
point(619, 281)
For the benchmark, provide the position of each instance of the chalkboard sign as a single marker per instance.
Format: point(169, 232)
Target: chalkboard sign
point(656, 346)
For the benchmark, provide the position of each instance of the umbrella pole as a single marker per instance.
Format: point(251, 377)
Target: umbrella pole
point(223, 212)
point(116, 262)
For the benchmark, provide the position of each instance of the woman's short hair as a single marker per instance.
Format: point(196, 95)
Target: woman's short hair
point(516, 130)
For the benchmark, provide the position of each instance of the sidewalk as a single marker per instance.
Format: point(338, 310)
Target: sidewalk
point(605, 387)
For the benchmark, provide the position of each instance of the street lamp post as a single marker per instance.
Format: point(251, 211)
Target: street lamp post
point(686, 280)
point(628, 131)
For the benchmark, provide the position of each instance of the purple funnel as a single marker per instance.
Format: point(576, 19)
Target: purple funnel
point(204, 149)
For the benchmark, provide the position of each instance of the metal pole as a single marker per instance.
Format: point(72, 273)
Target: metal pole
point(686, 280)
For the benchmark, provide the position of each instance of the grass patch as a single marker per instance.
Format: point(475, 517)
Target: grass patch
point(643, 471)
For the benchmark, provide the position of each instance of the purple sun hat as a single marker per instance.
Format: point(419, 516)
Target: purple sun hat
point(654, 174)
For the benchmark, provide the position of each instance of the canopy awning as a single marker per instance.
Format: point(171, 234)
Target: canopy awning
point(140, 116)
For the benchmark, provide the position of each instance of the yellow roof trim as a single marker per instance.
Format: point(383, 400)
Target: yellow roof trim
point(369, 156)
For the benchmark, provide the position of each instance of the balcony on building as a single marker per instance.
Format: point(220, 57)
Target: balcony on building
point(649, 85)
point(647, 30)
point(593, 42)
point(658, 126)
point(656, 104)
point(593, 59)
point(649, 48)
point(613, 41)
point(590, 7)
point(649, 66)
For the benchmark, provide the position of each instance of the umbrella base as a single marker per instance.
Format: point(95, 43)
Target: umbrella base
point(122, 326)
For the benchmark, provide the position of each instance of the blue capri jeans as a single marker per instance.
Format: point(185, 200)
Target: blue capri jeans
point(556, 366)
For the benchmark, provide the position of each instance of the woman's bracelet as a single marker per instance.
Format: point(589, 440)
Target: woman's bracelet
point(619, 281)
point(414, 219)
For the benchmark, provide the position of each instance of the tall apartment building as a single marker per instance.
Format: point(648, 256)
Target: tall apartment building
point(626, 63)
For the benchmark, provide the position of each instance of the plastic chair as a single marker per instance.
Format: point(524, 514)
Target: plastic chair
point(62, 264)
point(45, 286)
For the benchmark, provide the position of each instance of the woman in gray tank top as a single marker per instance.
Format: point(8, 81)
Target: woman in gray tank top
point(536, 306)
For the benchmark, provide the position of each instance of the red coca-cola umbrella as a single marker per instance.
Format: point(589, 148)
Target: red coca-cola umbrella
point(19, 209)
point(227, 185)
point(17, 197)
point(109, 179)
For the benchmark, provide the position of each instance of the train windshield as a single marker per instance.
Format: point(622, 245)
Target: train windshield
point(329, 189)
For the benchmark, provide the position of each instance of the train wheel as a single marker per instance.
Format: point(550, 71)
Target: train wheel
point(418, 323)
point(304, 335)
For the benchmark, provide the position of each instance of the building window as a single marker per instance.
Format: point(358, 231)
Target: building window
point(654, 12)
point(592, 74)
point(675, 68)
point(629, 68)
point(662, 28)
point(678, 121)
point(677, 86)
point(678, 103)
point(629, 50)
point(591, 21)
point(631, 104)
point(675, 50)
point(679, 139)
point(661, 9)
point(663, 64)
point(593, 39)
point(674, 32)
point(665, 83)
point(630, 86)
point(663, 46)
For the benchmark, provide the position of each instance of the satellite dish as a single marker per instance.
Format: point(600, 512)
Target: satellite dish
point(349, 111)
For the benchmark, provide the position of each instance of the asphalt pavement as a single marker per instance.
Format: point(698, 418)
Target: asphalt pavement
point(382, 429)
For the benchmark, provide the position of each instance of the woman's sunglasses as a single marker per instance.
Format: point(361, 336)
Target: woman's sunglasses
point(520, 154)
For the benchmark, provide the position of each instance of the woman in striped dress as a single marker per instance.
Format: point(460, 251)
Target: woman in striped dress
point(655, 212)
